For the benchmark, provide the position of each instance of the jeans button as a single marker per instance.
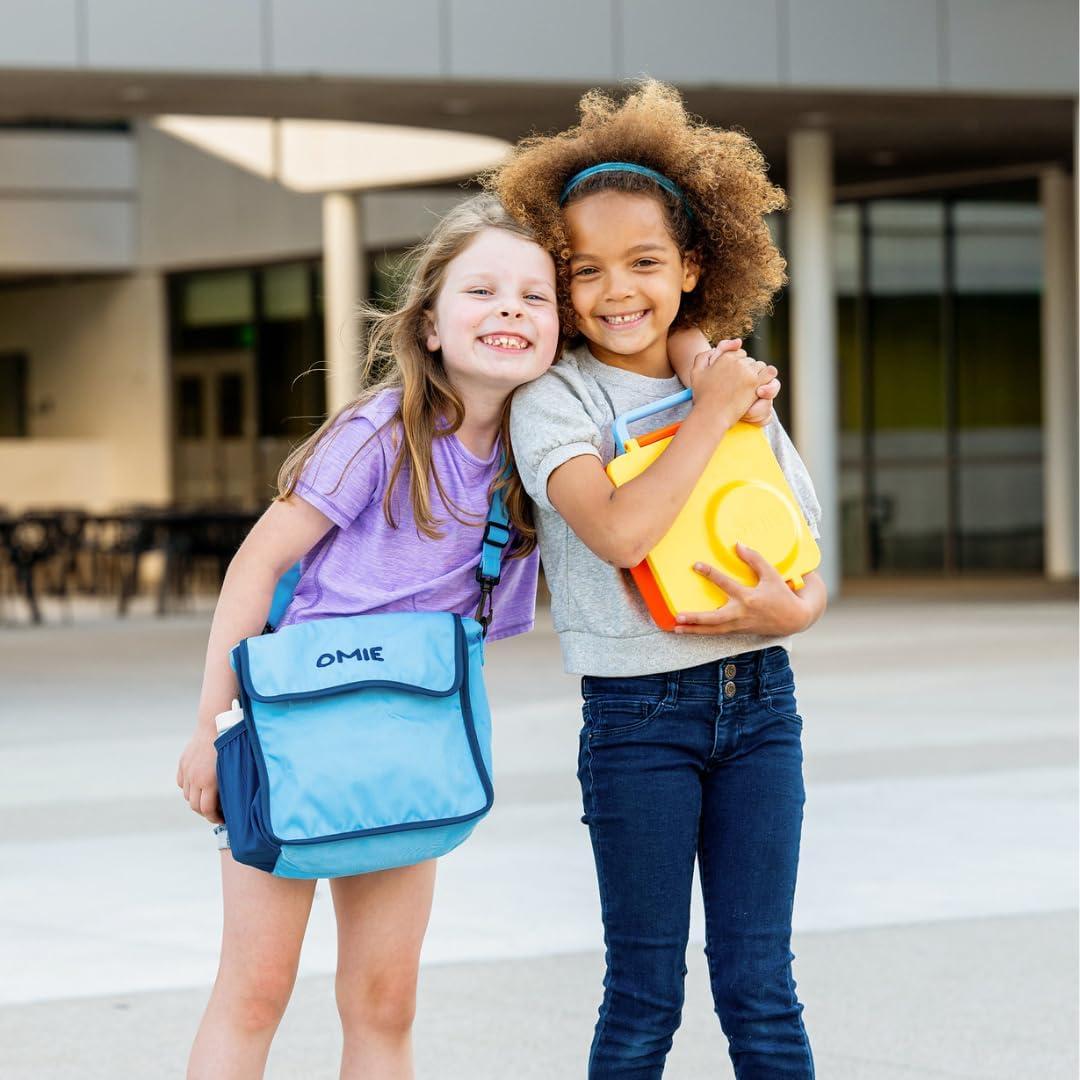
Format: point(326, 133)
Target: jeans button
point(729, 689)
point(729, 671)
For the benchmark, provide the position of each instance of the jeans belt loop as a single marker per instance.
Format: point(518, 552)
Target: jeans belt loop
point(759, 672)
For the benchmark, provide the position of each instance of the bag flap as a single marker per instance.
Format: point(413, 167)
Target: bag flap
point(425, 652)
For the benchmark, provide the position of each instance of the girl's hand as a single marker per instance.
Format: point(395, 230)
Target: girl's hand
point(770, 608)
point(761, 412)
point(726, 381)
point(689, 351)
point(196, 775)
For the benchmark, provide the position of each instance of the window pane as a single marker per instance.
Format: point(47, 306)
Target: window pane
point(998, 247)
point(906, 248)
point(853, 539)
point(189, 407)
point(217, 299)
point(908, 518)
point(285, 292)
point(845, 236)
point(292, 383)
point(1001, 516)
point(13, 396)
point(999, 278)
point(846, 260)
point(231, 406)
point(907, 267)
point(998, 361)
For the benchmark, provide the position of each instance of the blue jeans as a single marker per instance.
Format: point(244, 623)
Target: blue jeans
point(706, 764)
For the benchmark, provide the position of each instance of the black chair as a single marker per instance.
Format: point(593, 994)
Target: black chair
point(194, 540)
point(29, 543)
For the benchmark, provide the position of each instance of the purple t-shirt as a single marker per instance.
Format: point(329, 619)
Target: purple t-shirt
point(364, 565)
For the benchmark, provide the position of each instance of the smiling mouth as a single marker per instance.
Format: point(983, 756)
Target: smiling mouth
point(619, 322)
point(505, 342)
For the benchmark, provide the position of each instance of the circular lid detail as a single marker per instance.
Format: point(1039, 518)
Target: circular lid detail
point(757, 515)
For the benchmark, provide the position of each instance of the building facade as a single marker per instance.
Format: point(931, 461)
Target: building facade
point(163, 330)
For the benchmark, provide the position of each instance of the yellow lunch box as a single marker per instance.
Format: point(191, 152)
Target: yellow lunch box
point(741, 497)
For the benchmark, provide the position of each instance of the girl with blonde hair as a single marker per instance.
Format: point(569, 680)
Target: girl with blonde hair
point(384, 507)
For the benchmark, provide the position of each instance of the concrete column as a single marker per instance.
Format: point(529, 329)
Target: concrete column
point(1059, 375)
point(813, 331)
point(344, 285)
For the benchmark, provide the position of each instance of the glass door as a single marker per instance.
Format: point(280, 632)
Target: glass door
point(998, 397)
point(215, 428)
point(906, 393)
point(938, 358)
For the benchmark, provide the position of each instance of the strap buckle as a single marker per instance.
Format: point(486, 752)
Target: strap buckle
point(497, 535)
point(489, 539)
point(486, 609)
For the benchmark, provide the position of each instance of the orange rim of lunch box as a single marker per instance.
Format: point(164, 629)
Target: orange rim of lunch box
point(642, 574)
point(650, 593)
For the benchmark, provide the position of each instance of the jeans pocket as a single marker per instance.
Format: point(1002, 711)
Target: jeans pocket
point(614, 717)
point(780, 701)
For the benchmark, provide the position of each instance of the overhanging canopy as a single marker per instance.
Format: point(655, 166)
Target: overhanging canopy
point(328, 155)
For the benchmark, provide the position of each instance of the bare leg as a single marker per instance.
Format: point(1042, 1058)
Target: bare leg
point(381, 918)
point(264, 923)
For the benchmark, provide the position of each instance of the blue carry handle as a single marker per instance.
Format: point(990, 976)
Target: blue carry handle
point(621, 428)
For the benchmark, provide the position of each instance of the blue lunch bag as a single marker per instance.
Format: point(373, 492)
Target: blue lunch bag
point(366, 740)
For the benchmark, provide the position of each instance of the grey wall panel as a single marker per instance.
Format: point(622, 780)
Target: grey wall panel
point(40, 161)
point(1011, 45)
point(523, 39)
point(344, 37)
point(235, 218)
point(39, 33)
point(66, 234)
point(726, 42)
point(192, 35)
point(866, 43)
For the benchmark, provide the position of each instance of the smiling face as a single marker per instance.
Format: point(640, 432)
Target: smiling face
point(495, 318)
point(627, 277)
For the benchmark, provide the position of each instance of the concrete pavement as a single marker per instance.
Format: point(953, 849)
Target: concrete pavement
point(935, 919)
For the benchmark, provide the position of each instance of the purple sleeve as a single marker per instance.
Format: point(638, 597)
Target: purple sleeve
point(346, 472)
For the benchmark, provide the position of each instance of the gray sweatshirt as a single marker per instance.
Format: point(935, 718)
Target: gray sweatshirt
point(603, 624)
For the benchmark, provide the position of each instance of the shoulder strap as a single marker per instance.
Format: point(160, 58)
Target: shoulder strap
point(496, 537)
point(283, 594)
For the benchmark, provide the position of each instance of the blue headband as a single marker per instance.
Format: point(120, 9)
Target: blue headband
point(627, 166)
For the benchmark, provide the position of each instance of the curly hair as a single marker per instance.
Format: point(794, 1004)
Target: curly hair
point(722, 173)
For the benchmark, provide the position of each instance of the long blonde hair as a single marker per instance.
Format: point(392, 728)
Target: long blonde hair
point(396, 358)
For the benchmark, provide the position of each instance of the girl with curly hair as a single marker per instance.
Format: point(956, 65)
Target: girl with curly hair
point(690, 749)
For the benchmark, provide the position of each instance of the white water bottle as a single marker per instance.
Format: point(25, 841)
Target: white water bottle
point(225, 720)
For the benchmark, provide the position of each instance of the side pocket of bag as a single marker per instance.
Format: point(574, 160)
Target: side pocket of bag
point(238, 791)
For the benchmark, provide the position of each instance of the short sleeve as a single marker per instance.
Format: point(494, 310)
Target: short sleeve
point(347, 471)
point(549, 425)
point(796, 474)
